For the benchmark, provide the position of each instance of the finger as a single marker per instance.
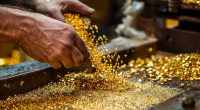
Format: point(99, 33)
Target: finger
point(66, 60)
point(76, 56)
point(81, 46)
point(77, 6)
point(56, 14)
point(55, 65)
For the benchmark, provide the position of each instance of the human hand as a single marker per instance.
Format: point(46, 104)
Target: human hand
point(56, 8)
point(52, 41)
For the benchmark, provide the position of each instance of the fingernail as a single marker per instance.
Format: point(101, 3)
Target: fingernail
point(91, 10)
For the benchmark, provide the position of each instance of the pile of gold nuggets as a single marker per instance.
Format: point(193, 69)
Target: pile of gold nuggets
point(107, 89)
point(191, 4)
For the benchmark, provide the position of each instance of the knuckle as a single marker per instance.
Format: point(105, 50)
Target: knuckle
point(59, 53)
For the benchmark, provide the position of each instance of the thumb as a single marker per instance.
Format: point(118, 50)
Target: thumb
point(77, 6)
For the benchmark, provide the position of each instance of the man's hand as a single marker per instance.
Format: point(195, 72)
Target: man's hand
point(56, 8)
point(53, 42)
point(43, 38)
point(53, 8)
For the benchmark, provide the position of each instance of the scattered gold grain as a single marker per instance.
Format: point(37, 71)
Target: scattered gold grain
point(182, 66)
point(60, 96)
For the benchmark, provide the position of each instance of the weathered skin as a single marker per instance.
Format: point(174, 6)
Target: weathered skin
point(53, 8)
point(41, 37)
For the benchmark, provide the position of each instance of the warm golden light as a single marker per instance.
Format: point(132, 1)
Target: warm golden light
point(191, 1)
point(14, 59)
point(3, 61)
point(108, 89)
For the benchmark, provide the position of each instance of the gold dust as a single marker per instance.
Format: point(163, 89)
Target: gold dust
point(61, 96)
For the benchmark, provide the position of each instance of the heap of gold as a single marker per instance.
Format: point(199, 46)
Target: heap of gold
point(197, 2)
point(191, 4)
point(182, 67)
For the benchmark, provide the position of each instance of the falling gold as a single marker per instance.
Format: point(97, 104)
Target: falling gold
point(105, 76)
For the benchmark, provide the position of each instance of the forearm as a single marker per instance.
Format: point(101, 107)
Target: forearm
point(13, 24)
